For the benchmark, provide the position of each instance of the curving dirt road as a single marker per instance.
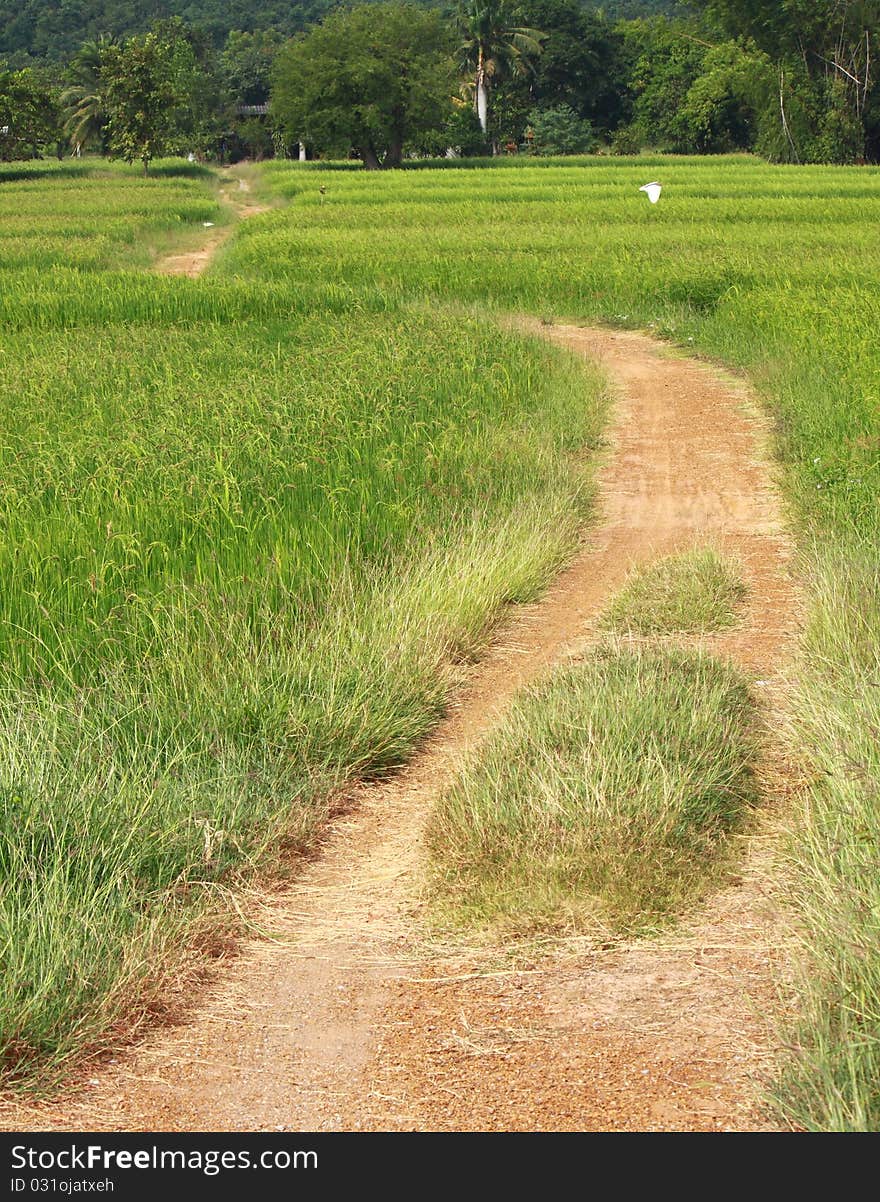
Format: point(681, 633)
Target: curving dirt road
point(344, 1018)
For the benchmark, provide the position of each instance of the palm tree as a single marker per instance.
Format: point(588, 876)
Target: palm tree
point(492, 48)
point(82, 99)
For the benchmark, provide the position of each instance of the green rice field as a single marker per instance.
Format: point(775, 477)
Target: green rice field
point(253, 523)
point(249, 531)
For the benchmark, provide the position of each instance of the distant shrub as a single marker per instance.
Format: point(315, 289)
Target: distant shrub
point(627, 140)
point(560, 130)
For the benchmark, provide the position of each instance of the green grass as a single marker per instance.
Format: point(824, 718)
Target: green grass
point(87, 215)
point(772, 270)
point(250, 530)
point(604, 799)
point(336, 385)
point(832, 1079)
point(695, 591)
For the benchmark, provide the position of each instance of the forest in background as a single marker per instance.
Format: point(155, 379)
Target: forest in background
point(52, 30)
point(792, 81)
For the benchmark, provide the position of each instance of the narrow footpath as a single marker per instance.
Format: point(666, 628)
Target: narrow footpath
point(235, 193)
point(344, 1017)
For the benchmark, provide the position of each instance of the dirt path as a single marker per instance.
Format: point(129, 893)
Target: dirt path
point(235, 193)
point(343, 1019)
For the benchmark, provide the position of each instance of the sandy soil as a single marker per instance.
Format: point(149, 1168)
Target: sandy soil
point(343, 1017)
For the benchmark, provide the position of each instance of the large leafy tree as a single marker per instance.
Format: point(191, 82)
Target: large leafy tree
point(691, 96)
point(199, 80)
point(726, 106)
point(582, 64)
point(147, 95)
point(369, 78)
point(493, 48)
point(141, 83)
point(666, 64)
point(247, 62)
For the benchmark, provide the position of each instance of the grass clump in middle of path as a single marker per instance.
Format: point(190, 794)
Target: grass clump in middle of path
point(695, 591)
point(603, 800)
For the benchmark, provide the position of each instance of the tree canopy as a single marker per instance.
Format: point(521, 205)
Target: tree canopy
point(30, 115)
point(247, 60)
point(54, 29)
point(367, 78)
point(142, 87)
point(582, 63)
point(822, 53)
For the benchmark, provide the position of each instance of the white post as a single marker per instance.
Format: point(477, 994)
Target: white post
point(302, 152)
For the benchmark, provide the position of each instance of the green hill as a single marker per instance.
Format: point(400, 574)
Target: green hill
point(54, 29)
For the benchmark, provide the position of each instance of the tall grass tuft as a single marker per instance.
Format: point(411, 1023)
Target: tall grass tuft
point(605, 797)
point(831, 1080)
point(694, 591)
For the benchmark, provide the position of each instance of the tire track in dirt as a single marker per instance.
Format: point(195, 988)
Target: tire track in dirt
point(342, 1019)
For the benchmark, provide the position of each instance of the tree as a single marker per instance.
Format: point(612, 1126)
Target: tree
point(30, 115)
point(368, 78)
point(725, 106)
point(247, 62)
point(823, 53)
point(667, 63)
point(581, 64)
point(206, 104)
point(493, 48)
point(145, 88)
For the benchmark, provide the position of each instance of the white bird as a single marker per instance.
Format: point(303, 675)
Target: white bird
point(653, 191)
point(207, 224)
